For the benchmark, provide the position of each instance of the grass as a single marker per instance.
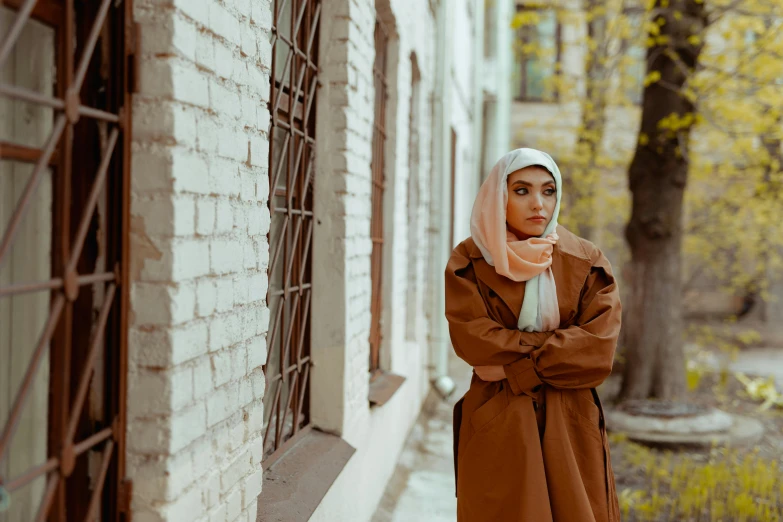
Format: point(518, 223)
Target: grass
point(724, 485)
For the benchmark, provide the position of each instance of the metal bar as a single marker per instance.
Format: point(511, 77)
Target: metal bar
point(283, 153)
point(279, 246)
point(13, 34)
point(97, 186)
point(19, 93)
point(290, 267)
point(15, 152)
point(92, 440)
point(291, 389)
point(287, 342)
point(32, 474)
point(89, 46)
point(298, 414)
point(32, 183)
point(293, 130)
point(54, 463)
point(46, 502)
point(98, 487)
point(292, 290)
point(294, 212)
point(84, 381)
point(55, 284)
point(302, 337)
point(21, 395)
point(276, 323)
point(288, 369)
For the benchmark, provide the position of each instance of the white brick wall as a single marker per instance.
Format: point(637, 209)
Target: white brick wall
point(199, 255)
point(341, 305)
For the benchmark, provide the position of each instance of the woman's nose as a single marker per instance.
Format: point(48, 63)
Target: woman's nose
point(537, 203)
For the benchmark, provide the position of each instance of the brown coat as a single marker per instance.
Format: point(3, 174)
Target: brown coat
point(533, 446)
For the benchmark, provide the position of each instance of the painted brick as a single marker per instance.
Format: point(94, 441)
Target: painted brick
point(225, 294)
point(224, 331)
point(202, 378)
point(236, 470)
point(256, 353)
point(225, 255)
point(220, 404)
point(234, 504)
point(225, 216)
point(205, 217)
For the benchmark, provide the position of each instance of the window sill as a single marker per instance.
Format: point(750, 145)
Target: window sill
point(383, 386)
point(295, 485)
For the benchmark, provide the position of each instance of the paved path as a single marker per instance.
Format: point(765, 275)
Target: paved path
point(422, 487)
point(758, 362)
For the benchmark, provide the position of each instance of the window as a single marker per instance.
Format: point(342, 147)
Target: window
point(291, 171)
point(378, 167)
point(537, 51)
point(64, 285)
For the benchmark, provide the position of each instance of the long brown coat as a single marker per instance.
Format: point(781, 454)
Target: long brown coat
point(533, 446)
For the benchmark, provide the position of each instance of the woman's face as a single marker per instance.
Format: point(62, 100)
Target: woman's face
point(532, 196)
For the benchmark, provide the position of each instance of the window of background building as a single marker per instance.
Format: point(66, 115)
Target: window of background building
point(537, 52)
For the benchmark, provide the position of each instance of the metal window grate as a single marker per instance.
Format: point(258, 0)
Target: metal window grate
point(291, 171)
point(378, 186)
point(64, 174)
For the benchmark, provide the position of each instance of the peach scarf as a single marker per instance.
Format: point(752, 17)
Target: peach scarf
point(529, 260)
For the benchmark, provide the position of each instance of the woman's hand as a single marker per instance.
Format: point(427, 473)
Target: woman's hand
point(490, 373)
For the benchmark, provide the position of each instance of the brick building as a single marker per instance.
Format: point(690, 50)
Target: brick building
point(224, 227)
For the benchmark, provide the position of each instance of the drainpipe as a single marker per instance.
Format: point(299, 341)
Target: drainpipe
point(440, 212)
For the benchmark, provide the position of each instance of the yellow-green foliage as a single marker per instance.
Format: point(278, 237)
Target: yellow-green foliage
point(762, 389)
point(733, 230)
point(726, 486)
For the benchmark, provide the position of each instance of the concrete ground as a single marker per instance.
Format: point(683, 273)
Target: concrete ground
point(422, 487)
point(755, 362)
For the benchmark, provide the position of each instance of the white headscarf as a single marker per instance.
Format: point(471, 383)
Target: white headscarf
point(529, 260)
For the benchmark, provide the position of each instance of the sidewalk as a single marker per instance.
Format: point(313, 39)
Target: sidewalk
point(422, 487)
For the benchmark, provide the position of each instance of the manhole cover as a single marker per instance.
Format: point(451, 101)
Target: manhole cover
point(662, 408)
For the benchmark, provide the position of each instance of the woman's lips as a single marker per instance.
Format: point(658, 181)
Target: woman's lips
point(537, 219)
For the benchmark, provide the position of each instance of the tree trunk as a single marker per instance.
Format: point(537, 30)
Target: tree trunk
point(655, 362)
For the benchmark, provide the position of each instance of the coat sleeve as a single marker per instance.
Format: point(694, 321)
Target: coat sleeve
point(580, 356)
point(478, 339)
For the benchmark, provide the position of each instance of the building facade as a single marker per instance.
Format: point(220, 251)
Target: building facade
point(225, 225)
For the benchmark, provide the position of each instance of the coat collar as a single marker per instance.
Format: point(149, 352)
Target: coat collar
point(511, 292)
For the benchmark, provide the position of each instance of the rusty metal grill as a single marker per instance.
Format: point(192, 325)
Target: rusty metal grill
point(378, 186)
point(64, 167)
point(291, 171)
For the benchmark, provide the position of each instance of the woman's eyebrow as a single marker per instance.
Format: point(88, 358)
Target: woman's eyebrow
point(528, 184)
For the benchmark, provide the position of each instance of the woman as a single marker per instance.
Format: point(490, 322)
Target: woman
point(535, 310)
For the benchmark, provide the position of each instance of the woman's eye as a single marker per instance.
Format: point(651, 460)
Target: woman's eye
point(521, 191)
point(550, 192)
